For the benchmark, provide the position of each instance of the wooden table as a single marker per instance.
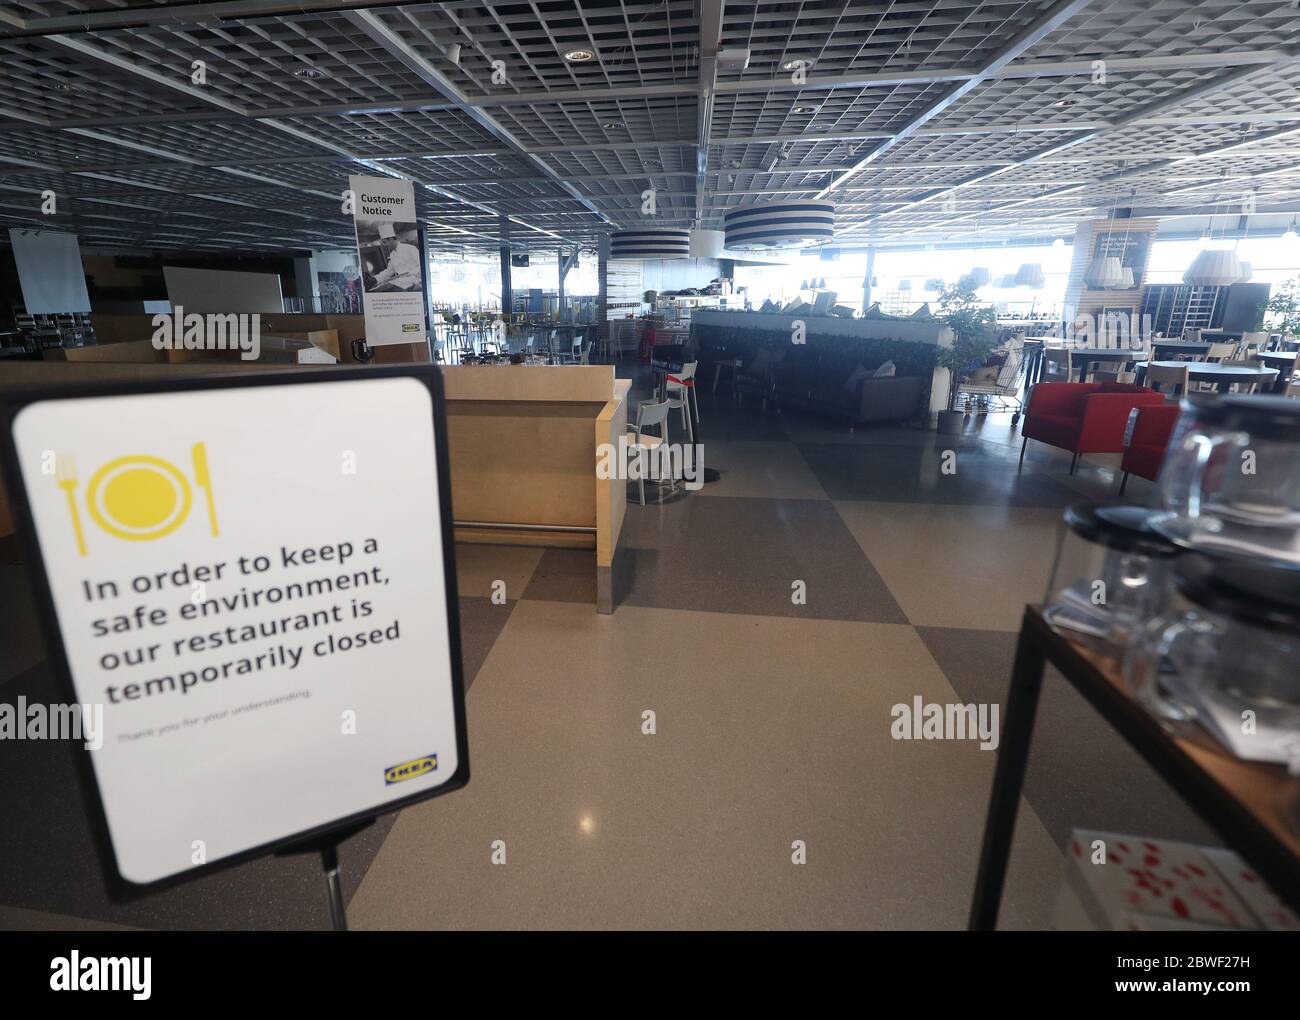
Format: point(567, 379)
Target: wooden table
point(1222, 376)
point(1162, 347)
point(1283, 361)
point(1253, 803)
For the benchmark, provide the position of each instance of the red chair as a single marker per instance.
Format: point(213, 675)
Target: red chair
point(1148, 442)
point(1082, 417)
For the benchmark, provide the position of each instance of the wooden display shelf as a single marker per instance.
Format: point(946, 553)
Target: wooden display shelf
point(1253, 805)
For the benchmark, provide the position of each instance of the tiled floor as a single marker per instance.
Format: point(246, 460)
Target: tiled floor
point(914, 555)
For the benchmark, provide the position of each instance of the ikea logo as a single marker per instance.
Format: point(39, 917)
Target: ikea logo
point(410, 769)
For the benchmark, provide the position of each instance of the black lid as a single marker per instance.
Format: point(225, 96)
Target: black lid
point(1120, 526)
point(1264, 417)
point(1260, 594)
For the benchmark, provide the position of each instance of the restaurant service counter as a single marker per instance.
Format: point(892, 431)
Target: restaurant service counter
point(524, 444)
point(813, 375)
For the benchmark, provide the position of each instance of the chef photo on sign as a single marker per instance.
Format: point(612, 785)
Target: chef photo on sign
point(390, 256)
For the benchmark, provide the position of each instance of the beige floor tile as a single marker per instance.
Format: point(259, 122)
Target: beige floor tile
point(768, 731)
point(773, 470)
point(957, 566)
point(478, 566)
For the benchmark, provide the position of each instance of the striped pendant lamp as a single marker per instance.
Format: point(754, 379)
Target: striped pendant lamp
point(657, 243)
point(780, 225)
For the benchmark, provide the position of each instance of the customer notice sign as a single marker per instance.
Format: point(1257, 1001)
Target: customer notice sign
point(253, 581)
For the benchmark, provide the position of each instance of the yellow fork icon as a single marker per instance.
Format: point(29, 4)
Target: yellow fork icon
point(65, 470)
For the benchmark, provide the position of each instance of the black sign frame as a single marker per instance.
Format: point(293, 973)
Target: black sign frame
point(12, 402)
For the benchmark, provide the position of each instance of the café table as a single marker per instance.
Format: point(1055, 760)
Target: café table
point(1283, 361)
point(1222, 376)
point(1180, 347)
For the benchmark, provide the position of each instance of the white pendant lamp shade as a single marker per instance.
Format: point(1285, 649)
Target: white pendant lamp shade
point(660, 243)
point(707, 244)
point(1106, 273)
point(780, 225)
point(1214, 269)
point(1126, 281)
point(1030, 274)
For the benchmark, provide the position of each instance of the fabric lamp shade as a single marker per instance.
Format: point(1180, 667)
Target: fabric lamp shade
point(1106, 273)
point(658, 243)
point(1214, 269)
point(1030, 274)
point(1126, 279)
point(779, 225)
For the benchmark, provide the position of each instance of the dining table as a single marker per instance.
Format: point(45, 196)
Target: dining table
point(1283, 361)
point(1222, 376)
point(1178, 348)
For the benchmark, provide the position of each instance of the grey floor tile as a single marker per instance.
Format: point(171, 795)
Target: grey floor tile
point(742, 555)
point(569, 575)
point(481, 621)
point(986, 474)
point(1081, 773)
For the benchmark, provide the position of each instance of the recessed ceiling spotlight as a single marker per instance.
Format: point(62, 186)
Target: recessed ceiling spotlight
point(311, 73)
point(806, 109)
point(578, 56)
point(794, 65)
point(652, 162)
point(611, 125)
point(1064, 103)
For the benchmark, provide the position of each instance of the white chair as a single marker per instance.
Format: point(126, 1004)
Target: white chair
point(1175, 378)
point(648, 415)
point(680, 389)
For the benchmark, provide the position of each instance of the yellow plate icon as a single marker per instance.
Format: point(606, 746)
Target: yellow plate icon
point(138, 497)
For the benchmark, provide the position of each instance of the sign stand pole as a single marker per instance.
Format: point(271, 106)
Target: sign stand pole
point(327, 845)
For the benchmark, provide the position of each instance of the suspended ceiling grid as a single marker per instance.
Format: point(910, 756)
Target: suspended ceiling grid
point(942, 121)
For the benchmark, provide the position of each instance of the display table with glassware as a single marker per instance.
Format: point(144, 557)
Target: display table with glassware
point(1180, 625)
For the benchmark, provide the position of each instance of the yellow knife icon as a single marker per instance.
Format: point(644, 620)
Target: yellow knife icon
point(199, 456)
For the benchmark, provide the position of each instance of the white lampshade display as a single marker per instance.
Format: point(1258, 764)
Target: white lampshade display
point(707, 244)
point(780, 225)
point(659, 243)
point(1106, 273)
point(1214, 269)
point(1030, 274)
point(1126, 279)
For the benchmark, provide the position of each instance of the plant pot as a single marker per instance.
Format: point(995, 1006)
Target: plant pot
point(950, 422)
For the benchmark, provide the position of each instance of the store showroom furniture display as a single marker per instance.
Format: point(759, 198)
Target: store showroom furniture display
point(1148, 440)
point(1082, 417)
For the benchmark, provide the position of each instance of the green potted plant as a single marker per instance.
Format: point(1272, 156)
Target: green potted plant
point(974, 326)
point(1283, 308)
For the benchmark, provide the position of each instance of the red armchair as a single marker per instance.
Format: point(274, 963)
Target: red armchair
point(1082, 417)
point(1149, 441)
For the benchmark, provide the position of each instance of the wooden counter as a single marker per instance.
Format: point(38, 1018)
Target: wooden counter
point(524, 444)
